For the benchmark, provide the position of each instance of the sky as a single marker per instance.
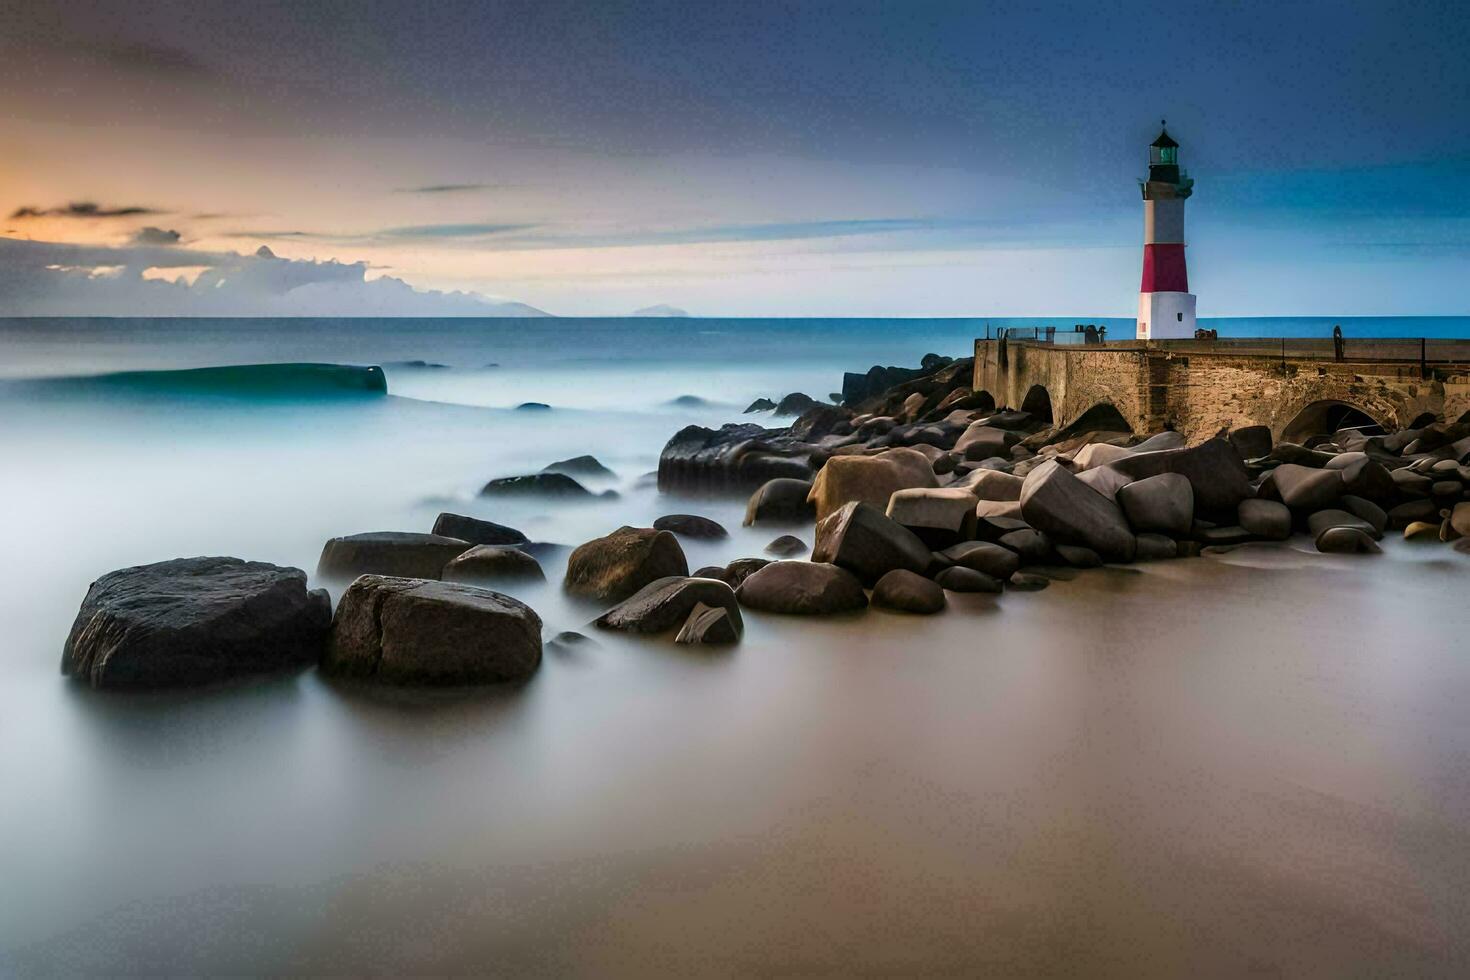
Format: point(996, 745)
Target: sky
point(741, 159)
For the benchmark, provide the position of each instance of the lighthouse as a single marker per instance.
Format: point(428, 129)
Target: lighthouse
point(1165, 304)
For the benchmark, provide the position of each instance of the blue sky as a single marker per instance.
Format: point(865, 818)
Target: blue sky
point(758, 158)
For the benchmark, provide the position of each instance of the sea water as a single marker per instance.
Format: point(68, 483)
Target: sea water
point(1258, 762)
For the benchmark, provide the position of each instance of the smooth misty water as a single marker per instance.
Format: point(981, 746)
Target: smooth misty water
point(1258, 763)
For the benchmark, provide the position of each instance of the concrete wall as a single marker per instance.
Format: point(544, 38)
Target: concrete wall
point(1201, 393)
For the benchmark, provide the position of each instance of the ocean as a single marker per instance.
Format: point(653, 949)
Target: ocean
point(1256, 761)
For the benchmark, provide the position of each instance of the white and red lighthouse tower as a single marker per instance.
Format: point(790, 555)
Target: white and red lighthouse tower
point(1165, 304)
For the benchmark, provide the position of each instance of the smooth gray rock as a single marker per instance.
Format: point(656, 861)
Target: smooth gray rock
point(1162, 504)
point(1078, 556)
point(412, 632)
point(1363, 476)
point(1058, 504)
point(802, 588)
point(1214, 469)
point(1365, 509)
point(1408, 512)
point(664, 604)
point(535, 484)
point(939, 516)
point(709, 625)
point(1304, 488)
point(1033, 547)
point(958, 578)
point(1346, 541)
point(786, 546)
point(988, 558)
point(908, 591)
point(1252, 441)
point(1269, 519)
point(486, 564)
point(476, 531)
point(1027, 582)
point(194, 621)
point(783, 500)
point(692, 526)
point(1155, 547)
point(742, 568)
point(580, 466)
point(615, 566)
point(407, 554)
point(859, 538)
point(1321, 520)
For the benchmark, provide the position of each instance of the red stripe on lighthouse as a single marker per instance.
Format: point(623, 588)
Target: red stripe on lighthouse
point(1163, 269)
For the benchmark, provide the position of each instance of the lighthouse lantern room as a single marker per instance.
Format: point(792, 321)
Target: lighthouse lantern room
point(1165, 304)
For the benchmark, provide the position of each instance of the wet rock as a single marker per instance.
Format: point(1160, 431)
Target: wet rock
point(194, 621)
point(533, 407)
point(1269, 519)
point(476, 531)
point(1098, 454)
point(1063, 507)
point(408, 554)
point(580, 466)
point(958, 578)
point(709, 625)
point(802, 588)
point(786, 546)
point(1214, 469)
point(1422, 531)
point(859, 538)
point(1028, 582)
point(664, 604)
point(711, 571)
point(794, 404)
point(412, 632)
point(760, 405)
point(1004, 509)
point(1363, 476)
point(691, 526)
point(1163, 504)
point(1460, 519)
point(908, 592)
point(742, 568)
point(981, 440)
point(1251, 441)
point(1304, 488)
point(569, 641)
point(1078, 556)
point(869, 479)
point(1155, 547)
point(1323, 519)
point(988, 558)
point(536, 484)
point(733, 457)
point(1411, 484)
point(1367, 510)
point(1410, 511)
point(1106, 481)
point(486, 564)
point(1290, 452)
point(940, 517)
point(615, 566)
point(1222, 535)
point(1033, 547)
point(1346, 541)
point(779, 501)
point(990, 484)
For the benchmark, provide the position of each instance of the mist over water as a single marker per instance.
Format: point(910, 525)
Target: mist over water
point(1257, 761)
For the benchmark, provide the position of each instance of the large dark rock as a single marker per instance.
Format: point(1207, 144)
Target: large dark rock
point(859, 538)
point(615, 566)
point(535, 485)
point(786, 546)
point(1332, 517)
point(939, 516)
point(1063, 507)
point(1033, 547)
point(908, 591)
point(1214, 468)
point(760, 405)
point(734, 457)
point(1269, 519)
point(709, 625)
point(795, 403)
point(411, 632)
point(1251, 441)
point(1155, 547)
point(1365, 509)
point(802, 588)
point(957, 578)
point(870, 479)
point(408, 554)
point(781, 501)
point(476, 531)
point(1363, 476)
point(988, 558)
point(860, 387)
point(193, 621)
point(1410, 511)
point(485, 564)
point(580, 466)
point(667, 602)
point(1304, 488)
point(1163, 504)
point(743, 568)
point(691, 526)
point(1346, 541)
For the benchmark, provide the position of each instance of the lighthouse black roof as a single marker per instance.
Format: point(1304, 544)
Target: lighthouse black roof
point(1164, 140)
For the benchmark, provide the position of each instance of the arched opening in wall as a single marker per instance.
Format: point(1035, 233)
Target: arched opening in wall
point(1322, 418)
point(1038, 403)
point(1102, 417)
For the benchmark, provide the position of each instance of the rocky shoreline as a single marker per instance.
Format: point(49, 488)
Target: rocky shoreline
point(913, 488)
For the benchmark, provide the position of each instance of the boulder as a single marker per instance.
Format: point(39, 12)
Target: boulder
point(1410, 511)
point(1363, 476)
point(869, 479)
point(1097, 454)
point(1422, 531)
point(1251, 441)
point(476, 531)
point(981, 440)
point(1365, 509)
point(536, 484)
point(940, 517)
point(193, 621)
point(802, 588)
point(1078, 556)
point(1460, 519)
point(1033, 547)
point(1006, 509)
point(664, 604)
point(786, 546)
point(859, 538)
point(1269, 519)
point(691, 526)
point(583, 466)
point(760, 405)
point(1304, 488)
point(408, 554)
point(1106, 481)
point(1163, 504)
point(957, 578)
point(992, 560)
point(1346, 541)
point(489, 563)
point(990, 484)
point(615, 566)
point(1222, 535)
point(1028, 582)
point(1214, 469)
point(407, 631)
point(1160, 441)
point(908, 591)
point(1155, 547)
point(1411, 484)
point(1321, 520)
point(709, 624)
point(794, 404)
point(782, 500)
point(1057, 503)
point(742, 568)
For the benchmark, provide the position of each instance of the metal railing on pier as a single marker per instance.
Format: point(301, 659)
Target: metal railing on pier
point(1414, 350)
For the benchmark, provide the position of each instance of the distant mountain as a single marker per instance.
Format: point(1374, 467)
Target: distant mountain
point(662, 309)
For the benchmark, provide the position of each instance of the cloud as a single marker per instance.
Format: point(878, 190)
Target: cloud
point(448, 188)
point(451, 231)
point(518, 237)
point(82, 209)
point(155, 236)
point(56, 279)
